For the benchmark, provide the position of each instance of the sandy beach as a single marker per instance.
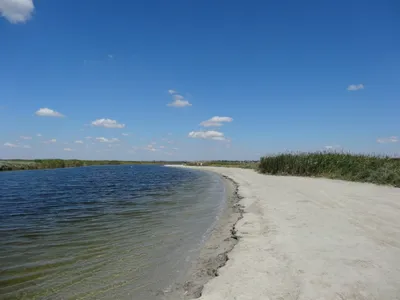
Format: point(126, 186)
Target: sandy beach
point(308, 238)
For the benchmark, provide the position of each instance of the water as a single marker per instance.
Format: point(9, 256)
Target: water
point(108, 232)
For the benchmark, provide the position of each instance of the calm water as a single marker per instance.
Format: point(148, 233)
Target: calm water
point(109, 232)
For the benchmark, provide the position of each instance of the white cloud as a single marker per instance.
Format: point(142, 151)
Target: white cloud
point(78, 142)
point(47, 112)
point(179, 103)
point(176, 149)
point(50, 141)
point(113, 145)
point(68, 149)
point(110, 56)
point(107, 123)
point(161, 147)
point(105, 140)
point(390, 139)
point(10, 145)
point(88, 137)
point(211, 134)
point(178, 100)
point(355, 87)
point(16, 11)
point(219, 138)
point(216, 121)
point(25, 137)
point(39, 135)
point(150, 147)
point(125, 134)
point(332, 147)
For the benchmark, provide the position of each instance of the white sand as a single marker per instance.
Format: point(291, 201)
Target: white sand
point(305, 238)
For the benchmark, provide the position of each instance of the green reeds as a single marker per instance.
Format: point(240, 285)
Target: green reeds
point(336, 165)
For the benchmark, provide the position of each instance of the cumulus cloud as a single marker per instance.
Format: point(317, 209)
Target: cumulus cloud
point(113, 145)
point(211, 134)
point(68, 149)
point(150, 147)
point(16, 11)
point(332, 147)
point(52, 141)
point(105, 140)
point(178, 100)
point(390, 139)
point(216, 121)
point(10, 145)
point(79, 142)
point(355, 87)
point(47, 112)
point(107, 123)
point(25, 137)
point(219, 138)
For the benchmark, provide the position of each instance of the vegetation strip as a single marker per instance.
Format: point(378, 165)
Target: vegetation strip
point(345, 166)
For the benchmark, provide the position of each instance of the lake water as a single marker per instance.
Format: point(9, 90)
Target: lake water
point(107, 232)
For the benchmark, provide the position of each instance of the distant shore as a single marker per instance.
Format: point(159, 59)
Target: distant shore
point(309, 238)
point(39, 164)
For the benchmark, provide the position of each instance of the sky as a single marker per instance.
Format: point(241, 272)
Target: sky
point(198, 80)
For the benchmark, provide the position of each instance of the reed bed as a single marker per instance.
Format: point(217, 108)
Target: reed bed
point(346, 166)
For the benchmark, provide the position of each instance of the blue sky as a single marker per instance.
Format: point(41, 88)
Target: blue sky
point(179, 79)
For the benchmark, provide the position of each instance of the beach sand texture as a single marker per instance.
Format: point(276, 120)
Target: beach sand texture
point(309, 238)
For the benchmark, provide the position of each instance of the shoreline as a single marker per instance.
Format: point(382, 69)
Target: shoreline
point(213, 255)
point(308, 238)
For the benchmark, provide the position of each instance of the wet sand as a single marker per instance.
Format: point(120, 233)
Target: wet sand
point(302, 238)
